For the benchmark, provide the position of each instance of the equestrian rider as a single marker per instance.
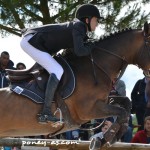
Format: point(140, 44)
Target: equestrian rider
point(42, 42)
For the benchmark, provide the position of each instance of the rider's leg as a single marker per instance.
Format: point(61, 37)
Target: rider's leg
point(55, 70)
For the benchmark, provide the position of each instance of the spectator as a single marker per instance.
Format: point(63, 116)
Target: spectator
point(127, 137)
point(99, 121)
point(147, 92)
point(143, 136)
point(5, 63)
point(20, 66)
point(84, 135)
point(118, 88)
point(72, 135)
point(139, 101)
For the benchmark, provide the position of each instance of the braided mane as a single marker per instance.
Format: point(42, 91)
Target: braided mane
point(116, 33)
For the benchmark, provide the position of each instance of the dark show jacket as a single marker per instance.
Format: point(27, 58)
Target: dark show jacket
point(53, 37)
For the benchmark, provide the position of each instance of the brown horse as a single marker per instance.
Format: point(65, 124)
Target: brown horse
point(94, 77)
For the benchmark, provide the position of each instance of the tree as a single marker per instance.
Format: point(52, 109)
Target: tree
point(18, 14)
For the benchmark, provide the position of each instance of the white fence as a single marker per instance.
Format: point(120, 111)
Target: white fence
point(45, 144)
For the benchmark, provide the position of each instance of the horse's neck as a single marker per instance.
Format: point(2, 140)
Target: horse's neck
point(125, 45)
point(114, 53)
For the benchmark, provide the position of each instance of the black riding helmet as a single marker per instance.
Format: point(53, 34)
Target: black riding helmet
point(87, 11)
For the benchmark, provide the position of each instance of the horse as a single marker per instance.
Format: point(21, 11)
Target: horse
point(94, 75)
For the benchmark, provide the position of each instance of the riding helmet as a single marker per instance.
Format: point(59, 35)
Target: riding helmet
point(87, 10)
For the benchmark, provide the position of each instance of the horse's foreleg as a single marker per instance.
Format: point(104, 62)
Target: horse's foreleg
point(103, 110)
point(125, 103)
point(120, 124)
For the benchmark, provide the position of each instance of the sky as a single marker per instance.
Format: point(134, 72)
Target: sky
point(11, 44)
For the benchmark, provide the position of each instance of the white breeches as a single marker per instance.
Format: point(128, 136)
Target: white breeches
point(42, 58)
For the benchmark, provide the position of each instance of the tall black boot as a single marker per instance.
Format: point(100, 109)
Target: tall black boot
point(46, 115)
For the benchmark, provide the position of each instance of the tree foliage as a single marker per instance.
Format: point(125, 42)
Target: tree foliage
point(119, 14)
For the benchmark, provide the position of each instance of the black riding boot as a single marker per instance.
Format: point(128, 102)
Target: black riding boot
point(46, 115)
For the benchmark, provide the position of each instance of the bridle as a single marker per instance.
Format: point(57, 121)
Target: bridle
point(146, 47)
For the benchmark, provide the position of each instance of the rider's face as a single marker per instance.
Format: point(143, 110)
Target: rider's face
point(94, 23)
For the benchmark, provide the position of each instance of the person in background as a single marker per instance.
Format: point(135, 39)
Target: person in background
point(104, 128)
point(147, 92)
point(139, 101)
point(5, 63)
point(42, 42)
point(127, 137)
point(118, 88)
point(20, 66)
point(143, 136)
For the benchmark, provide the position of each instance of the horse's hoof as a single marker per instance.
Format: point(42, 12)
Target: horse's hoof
point(95, 144)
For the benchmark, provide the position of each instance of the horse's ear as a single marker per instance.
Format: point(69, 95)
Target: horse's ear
point(146, 28)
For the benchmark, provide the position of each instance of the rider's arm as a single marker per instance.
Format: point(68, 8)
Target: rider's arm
point(79, 34)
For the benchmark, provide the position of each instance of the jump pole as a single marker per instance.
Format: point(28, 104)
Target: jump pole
point(67, 144)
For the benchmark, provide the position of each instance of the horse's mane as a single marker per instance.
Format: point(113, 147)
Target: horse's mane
point(116, 33)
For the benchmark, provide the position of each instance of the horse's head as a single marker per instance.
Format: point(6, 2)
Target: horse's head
point(130, 45)
point(143, 57)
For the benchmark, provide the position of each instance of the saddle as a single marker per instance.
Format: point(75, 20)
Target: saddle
point(32, 82)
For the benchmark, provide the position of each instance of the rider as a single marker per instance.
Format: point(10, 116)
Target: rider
point(41, 42)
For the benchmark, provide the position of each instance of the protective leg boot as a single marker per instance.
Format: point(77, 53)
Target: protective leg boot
point(46, 115)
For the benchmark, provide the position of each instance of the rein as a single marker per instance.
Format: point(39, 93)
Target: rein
point(123, 68)
point(124, 65)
